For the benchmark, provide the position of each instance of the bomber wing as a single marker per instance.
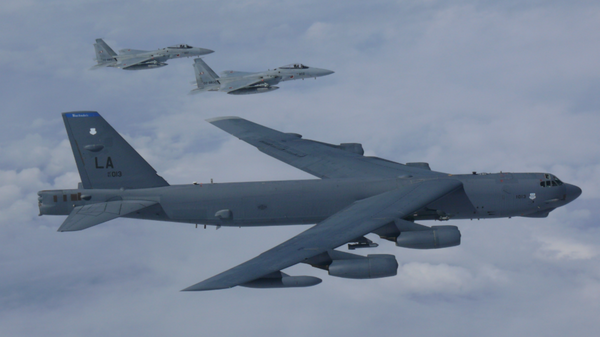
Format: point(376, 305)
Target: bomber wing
point(358, 219)
point(319, 159)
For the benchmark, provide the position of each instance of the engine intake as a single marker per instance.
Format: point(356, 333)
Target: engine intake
point(436, 237)
point(372, 266)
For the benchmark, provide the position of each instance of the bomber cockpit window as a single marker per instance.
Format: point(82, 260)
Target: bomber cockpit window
point(551, 181)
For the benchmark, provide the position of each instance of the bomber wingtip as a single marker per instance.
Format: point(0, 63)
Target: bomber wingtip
point(192, 288)
point(216, 119)
point(201, 287)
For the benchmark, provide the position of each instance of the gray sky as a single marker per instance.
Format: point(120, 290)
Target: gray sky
point(464, 85)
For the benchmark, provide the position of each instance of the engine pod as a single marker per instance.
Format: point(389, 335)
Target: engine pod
point(372, 266)
point(436, 237)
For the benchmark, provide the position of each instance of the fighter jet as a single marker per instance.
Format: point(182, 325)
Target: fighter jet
point(354, 196)
point(132, 59)
point(244, 83)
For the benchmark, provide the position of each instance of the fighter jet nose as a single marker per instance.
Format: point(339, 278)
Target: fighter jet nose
point(327, 72)
point(572, 192)
point(205, 51)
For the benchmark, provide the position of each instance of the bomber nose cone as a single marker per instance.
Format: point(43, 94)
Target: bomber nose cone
point(572, 193)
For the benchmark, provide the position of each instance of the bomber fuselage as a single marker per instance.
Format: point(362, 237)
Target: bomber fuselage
point(311, 201)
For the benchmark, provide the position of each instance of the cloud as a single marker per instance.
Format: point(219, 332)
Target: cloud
point(557, 248)
point(465, 86)
point(444, 280)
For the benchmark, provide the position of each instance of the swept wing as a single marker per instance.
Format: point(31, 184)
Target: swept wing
point(234, 73)
point(136, 61)
point(242, 84)
point(131, 51)
point(358, 219)
point(319, 159)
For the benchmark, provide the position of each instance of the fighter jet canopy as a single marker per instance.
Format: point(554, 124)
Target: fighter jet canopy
point(294, 66)
point(181, 46)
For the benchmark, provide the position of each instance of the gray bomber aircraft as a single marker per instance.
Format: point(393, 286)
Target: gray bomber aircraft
point(244, 83)
point(132, 59)
point(355, 196)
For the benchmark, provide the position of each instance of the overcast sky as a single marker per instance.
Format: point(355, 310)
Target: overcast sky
point(467, 86)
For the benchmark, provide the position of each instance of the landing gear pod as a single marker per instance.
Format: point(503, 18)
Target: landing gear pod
point(436, 237)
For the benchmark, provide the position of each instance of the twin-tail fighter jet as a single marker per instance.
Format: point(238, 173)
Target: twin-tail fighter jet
point(132, 59)
point(356, 195)
point(244, 83)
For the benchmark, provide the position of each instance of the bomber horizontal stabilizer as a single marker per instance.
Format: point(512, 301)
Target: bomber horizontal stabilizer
point(83, 217)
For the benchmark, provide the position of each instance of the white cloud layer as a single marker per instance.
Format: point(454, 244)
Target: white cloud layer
point(464, 85)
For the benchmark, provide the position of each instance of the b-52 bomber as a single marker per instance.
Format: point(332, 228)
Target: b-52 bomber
point(356, 195)
point(244, 83)
point(132, 59)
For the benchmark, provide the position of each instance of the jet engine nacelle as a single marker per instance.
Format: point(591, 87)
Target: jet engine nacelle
point(436, 237)
point(372, 266)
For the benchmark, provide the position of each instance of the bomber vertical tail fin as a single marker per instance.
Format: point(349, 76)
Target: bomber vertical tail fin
point(104, 54)
point(104, 159)
point(206, 78)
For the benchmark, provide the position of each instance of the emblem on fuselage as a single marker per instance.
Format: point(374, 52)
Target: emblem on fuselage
point(532, 196)
point(93, 131)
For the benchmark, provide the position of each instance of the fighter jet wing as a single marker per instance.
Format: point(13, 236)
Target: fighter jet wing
point(358, 219)
point(83, 217)
point(131, 51)
point(241, 84)
point(319, 159)
point(133, 61)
